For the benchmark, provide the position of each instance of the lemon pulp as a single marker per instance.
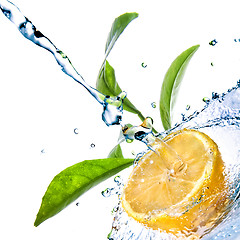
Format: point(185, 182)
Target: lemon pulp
point(179, 187)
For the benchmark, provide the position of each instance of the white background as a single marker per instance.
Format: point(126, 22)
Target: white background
point(40, 106)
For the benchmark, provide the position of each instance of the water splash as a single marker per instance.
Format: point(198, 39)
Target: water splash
point(112, 106)
point(142, 133)
point(219, 119)
point(116, 190)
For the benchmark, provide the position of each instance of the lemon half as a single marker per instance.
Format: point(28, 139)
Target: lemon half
point(180, 187)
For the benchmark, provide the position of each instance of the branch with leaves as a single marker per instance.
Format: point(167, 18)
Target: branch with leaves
point(72, 182)
point(75, 180)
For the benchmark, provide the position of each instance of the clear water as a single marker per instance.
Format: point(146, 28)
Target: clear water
point(112, 106)
point(220, 119)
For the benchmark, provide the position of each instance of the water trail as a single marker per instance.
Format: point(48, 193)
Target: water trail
point(112, 106)
point(219, 119)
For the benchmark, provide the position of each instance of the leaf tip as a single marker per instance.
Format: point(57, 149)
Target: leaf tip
point(196, 47)
point(39, 219)
point(37, 223)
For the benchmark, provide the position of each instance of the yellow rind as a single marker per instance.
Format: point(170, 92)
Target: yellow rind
point(209, 195)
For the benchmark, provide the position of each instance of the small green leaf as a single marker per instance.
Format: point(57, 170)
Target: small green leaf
point(118, 27)
point(116, 152)
point(171, 84)
point(108, 85)
point(106, 81)
point(72, 182)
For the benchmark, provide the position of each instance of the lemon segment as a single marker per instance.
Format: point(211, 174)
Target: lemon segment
point(179, 187)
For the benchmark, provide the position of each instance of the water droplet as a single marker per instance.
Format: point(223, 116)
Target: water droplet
point(75, 130)
point(118, 180)
point(236, 40)
point(187, 107)
point(43, 151)
point(213, 42)
point(232, 191)
point(153, 104)
point(151, 162)
point(238, 83)
point(107, 192)
point(143, 65)
point(92, 145)
point(206, 99)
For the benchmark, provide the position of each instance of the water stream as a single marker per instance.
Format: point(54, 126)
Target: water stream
point(112, 106)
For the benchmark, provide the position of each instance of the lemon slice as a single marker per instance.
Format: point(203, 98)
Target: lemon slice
point(179, 187)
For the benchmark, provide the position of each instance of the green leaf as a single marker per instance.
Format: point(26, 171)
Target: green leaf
point(72, 182)
point(118, 27)
point(171, 84)
point(116, 152)
point(108, 85)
